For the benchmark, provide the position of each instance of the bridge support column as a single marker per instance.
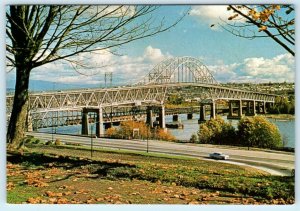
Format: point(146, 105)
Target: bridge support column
point(254, 107)
point(240, 109)
point(175, 118)
point(162, 121)
point(263, 107)
point(213, 110)
point(230, 112)
point(190, 116)
point(149, 117)
point(84, 122)
point(248, 111)
point(202, 113)
point(250, 108)
point(99, 123)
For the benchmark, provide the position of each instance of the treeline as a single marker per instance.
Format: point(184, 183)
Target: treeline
point(283, 105)
point(251, 132)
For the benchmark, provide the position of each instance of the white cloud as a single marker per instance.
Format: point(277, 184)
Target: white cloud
point(153, 54)
point(213, 14)
point(125, 68)
point(278, 69)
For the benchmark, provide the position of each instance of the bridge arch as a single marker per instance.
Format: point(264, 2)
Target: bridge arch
point(179, 70)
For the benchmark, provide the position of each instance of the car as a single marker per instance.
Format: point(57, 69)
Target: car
point(219, 156)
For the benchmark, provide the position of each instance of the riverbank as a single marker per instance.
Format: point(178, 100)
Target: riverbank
point(62, 174)
point(279, 116)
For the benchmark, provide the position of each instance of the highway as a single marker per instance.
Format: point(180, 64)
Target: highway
point(274, 162)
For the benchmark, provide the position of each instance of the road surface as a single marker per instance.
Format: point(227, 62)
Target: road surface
point(274, 162)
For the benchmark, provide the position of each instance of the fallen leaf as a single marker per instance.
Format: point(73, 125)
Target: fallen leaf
point(62, 201)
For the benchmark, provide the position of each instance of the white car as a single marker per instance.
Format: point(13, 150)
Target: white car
point(219, 156)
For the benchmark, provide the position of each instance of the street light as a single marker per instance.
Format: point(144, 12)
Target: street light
point(147, 139)
point(52, 124)
point(91, 140)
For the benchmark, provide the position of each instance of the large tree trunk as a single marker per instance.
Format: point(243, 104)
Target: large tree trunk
point(17, 124)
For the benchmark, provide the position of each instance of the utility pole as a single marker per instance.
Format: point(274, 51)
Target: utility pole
point(108, 78)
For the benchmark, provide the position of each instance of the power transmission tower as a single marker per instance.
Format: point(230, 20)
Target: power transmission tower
point(108, 78)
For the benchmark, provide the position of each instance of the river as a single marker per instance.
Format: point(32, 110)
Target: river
point(286, 128)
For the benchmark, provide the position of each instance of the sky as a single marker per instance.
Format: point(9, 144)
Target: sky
point(229, 58)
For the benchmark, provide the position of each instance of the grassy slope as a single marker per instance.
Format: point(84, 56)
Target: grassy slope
point(113, 176)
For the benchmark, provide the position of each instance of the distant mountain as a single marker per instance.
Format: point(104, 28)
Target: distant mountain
point(37, 85)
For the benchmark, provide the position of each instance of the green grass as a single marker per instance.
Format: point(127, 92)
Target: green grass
point(21, 194)
point(129, 152)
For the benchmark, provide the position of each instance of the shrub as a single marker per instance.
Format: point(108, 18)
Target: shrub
point(126, 129)
point(112, 132)
point(57, 142)
point(165, 135)
point(259, 132)
point(194, 138)
point(31, 140)
point(49, 143)
point(216, 131)
point(36, 141)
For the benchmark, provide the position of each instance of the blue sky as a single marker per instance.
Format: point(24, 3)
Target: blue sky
point(230, 58)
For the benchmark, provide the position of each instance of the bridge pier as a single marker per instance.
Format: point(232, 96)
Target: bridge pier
point(263, 107)
point(161, 117)
point(213, 110)
point(240, 109)
point(149, 117)
point(84, 123)
point(251, 110)
point(202, 114)
point(230, 108)
point(254, 107)
point(190, 116)
point(175, 118)
point(99, 121)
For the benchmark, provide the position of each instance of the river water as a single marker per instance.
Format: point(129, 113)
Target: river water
point(286, 128)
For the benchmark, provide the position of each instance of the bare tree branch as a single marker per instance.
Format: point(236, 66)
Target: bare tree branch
point(275, 21)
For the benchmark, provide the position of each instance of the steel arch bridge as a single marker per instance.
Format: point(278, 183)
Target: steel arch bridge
point(179, 70)
point(172, 73)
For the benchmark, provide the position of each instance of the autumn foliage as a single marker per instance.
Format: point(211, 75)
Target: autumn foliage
point(165, 135)
point(276, 22)
point(134, 129)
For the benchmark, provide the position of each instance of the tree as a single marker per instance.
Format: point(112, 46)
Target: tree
point(216, 131)
point(259, 132)
point(40, 34)
point(283, 105)
point(175, 99)
point(257, 21)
